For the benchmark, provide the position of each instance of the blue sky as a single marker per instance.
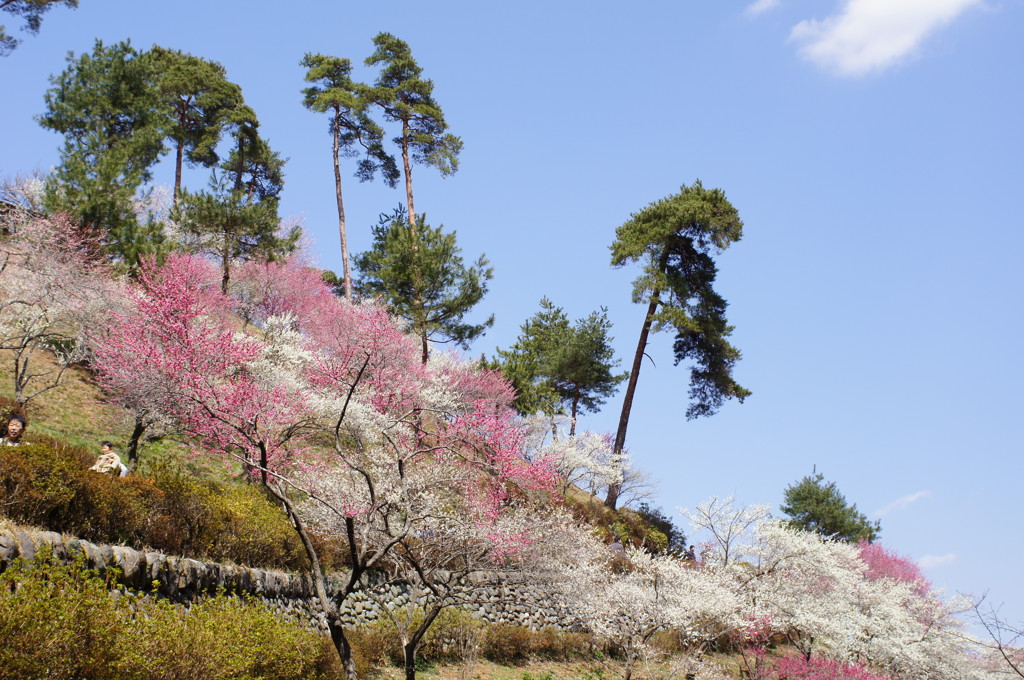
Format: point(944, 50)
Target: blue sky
point(872, 147)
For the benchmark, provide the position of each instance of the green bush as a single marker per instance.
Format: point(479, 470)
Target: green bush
point(47, 483)
point(222, 522)
point(221, 639)
point(60, 621)
point(454, 636)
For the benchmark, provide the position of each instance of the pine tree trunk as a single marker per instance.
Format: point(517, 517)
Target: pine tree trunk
point(346, 271)
point(179, 154)
point(573, 413)
point(182, 108)
point(627, 403)
point(225, 267)
point(407, 167)
point(419, 321)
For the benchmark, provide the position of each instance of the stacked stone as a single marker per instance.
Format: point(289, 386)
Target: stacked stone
point(183, 581)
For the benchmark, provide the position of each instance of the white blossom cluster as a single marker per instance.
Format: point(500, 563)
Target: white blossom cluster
point(585, 459)
point(812, 591)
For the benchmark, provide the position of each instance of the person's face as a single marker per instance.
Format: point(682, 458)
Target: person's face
point(14, 429)
point(105, 449)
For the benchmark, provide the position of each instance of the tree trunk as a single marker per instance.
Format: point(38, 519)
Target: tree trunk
point(179, 154)
point(343, 647)
point(627, 403)
point(419, 321)
point(574, 410)
point(407, 167)
point(346, 271)
point(225, 268)
point(409, 650)
point(133, 442)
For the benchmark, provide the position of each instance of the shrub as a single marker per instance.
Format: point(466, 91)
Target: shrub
point(60, 621)
point(506, 644)
point(221, 522)
point(47, 483)
point(374, 645)
point(455, 635)
point(561, 645)
point(221, 638)
point(57, 621)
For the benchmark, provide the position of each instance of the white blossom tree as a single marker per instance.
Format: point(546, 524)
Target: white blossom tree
point(727, 524)
point(53, 287)
point(626, 603)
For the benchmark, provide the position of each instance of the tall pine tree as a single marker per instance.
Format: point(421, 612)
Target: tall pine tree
point(334, 92)
point(673, 240)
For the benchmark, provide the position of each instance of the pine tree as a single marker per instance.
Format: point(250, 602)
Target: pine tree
point(814, 505)
point(406, 98)
point(422, 278)
point(558, 365)
point(199, 96)
point(107, 107)
point(334, 92)
point(238, 218)
point(673, 240)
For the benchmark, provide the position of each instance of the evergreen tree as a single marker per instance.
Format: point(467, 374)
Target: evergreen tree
point(406, 98)
point(561, 365)
point(673, 240)
point(113, 120)
point(31, 12)
point(422, 278)
point(199, 96)
point(238, 218)
point(814, 505)
point(525, 364)
point(334, 92)
point(225, 223)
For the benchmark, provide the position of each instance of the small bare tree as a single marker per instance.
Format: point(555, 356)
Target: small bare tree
point(1005, 639)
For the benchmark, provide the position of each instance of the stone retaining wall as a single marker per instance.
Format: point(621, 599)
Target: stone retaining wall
point(182, 581)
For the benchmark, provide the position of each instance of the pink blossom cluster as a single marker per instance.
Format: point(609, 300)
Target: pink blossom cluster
point(314, 368)
point(821, 668)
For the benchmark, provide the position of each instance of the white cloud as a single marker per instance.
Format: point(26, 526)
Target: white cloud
point(929, 561)
point(872, 35)
point(761, 6)
point(902, 502)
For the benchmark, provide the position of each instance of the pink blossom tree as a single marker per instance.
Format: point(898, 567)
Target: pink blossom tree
point(884, 563)
point(328, 402)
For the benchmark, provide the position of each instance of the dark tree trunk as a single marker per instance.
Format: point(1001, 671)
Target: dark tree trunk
point(133, 441)
point(225, 266)
point(179, 154)
point(612, 499)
